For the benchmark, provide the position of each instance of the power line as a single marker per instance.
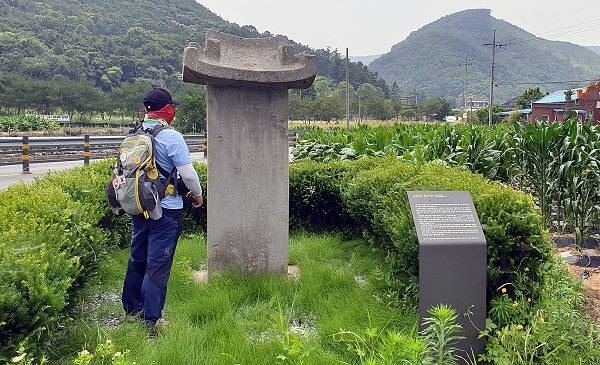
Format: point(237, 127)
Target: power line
point(547, 82)
point(562, 14)
point(553, 33)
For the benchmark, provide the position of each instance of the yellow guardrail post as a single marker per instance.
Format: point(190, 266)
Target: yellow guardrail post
point(86, 149)
point(25, 154)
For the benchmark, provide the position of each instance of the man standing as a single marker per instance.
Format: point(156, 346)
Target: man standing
point(153, 242)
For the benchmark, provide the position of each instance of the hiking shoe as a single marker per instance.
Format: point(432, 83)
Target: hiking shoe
point(132, 317)
point(152, 334)
point(155, 327)
point(161, 324)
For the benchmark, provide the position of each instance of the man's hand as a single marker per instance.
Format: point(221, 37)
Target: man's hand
point(198, 200)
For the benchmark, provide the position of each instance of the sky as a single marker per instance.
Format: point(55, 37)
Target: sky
point(372, 27)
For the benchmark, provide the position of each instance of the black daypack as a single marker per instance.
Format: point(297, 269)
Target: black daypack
point(136, 187)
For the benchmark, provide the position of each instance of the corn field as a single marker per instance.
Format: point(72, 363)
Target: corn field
point(555, 162)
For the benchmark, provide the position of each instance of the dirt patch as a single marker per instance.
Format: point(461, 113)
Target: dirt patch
point(591, 282)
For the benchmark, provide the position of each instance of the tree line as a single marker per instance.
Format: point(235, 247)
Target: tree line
point(82, 100)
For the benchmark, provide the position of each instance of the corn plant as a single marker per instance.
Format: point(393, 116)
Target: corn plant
point(540, 148)
point(480, 153)
point(580, 176)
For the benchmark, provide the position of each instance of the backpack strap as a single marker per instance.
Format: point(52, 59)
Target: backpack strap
point(154, 131)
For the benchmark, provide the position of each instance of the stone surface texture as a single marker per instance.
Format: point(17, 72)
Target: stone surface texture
point(229, 59)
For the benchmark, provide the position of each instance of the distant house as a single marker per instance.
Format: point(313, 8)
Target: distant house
point(510, 104)
point(477, 104)
point(584, 101)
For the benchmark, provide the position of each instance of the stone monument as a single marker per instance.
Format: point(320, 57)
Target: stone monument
point(247, 82)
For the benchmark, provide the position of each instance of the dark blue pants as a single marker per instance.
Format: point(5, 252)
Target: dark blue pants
point(153, 245)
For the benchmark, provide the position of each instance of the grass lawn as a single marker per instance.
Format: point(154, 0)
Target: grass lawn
point(319, 318)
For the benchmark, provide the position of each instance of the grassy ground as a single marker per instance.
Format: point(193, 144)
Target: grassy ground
point(235, 319)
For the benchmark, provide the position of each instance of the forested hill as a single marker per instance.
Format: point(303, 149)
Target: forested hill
point(432, 59)
point(113, 42)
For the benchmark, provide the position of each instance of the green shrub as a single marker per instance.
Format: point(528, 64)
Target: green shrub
point(36, 279)
point(86, 185)
point(314, 196)
point(372, 196)
point(49, 247)
point(26, 123)
point(194, 220)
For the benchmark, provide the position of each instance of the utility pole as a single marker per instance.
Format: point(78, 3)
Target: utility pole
point(468, 62)
point(494, 45)
point(347, 92)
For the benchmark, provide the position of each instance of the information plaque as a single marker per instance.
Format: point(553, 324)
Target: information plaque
point(452, 261)
point(445, 216)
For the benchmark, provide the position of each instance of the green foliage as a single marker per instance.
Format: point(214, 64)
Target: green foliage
point(551, 331)
point(191, 114)
point(53, 234)
point(482, 116)
point(258, 319)
point(48, 247)
point(194, 219)
point(105, 43)
point(380, 346)
point(85, 185)
point(314, 193)
point(530, 95)
point(441, 334)
point(557, 163)
point(26, 123)
point(374, 200)
point(79, 53)
point(437, 107)
point(428, 58)
point(534, 306)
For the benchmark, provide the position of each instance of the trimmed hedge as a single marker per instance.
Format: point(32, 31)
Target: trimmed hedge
point(372, 193)
point(53, 233)
point(55, 230)
point(49, 244)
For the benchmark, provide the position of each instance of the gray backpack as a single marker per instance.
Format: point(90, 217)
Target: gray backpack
point(136, 187)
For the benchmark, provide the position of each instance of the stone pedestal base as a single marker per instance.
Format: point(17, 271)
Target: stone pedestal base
point(201, 276)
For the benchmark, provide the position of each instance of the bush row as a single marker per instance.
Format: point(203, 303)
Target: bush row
point(26, 123)
point(370, 194)
point(55, 230)
point(555, 162)
point(53, 233)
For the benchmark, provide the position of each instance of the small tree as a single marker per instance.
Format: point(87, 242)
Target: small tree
point(529, 96)
point(191, 114)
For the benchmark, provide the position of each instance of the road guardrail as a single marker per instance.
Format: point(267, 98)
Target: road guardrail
point(54, 149)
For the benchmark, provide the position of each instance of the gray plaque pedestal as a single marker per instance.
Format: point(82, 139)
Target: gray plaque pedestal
point(452, 261)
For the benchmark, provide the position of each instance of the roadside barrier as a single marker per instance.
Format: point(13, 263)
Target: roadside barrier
point(56, 149)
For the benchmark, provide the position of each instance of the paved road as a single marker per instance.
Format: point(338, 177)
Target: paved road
point(11, 174)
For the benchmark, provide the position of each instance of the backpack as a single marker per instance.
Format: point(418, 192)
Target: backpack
point(136, 187)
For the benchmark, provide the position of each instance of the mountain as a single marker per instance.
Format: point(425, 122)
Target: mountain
point(364, 59)
point(113, 42)
point(108, 41)
point(431, 60)
point(594, 48)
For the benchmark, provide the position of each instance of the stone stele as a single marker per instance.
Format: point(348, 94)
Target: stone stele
point(247, 82)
